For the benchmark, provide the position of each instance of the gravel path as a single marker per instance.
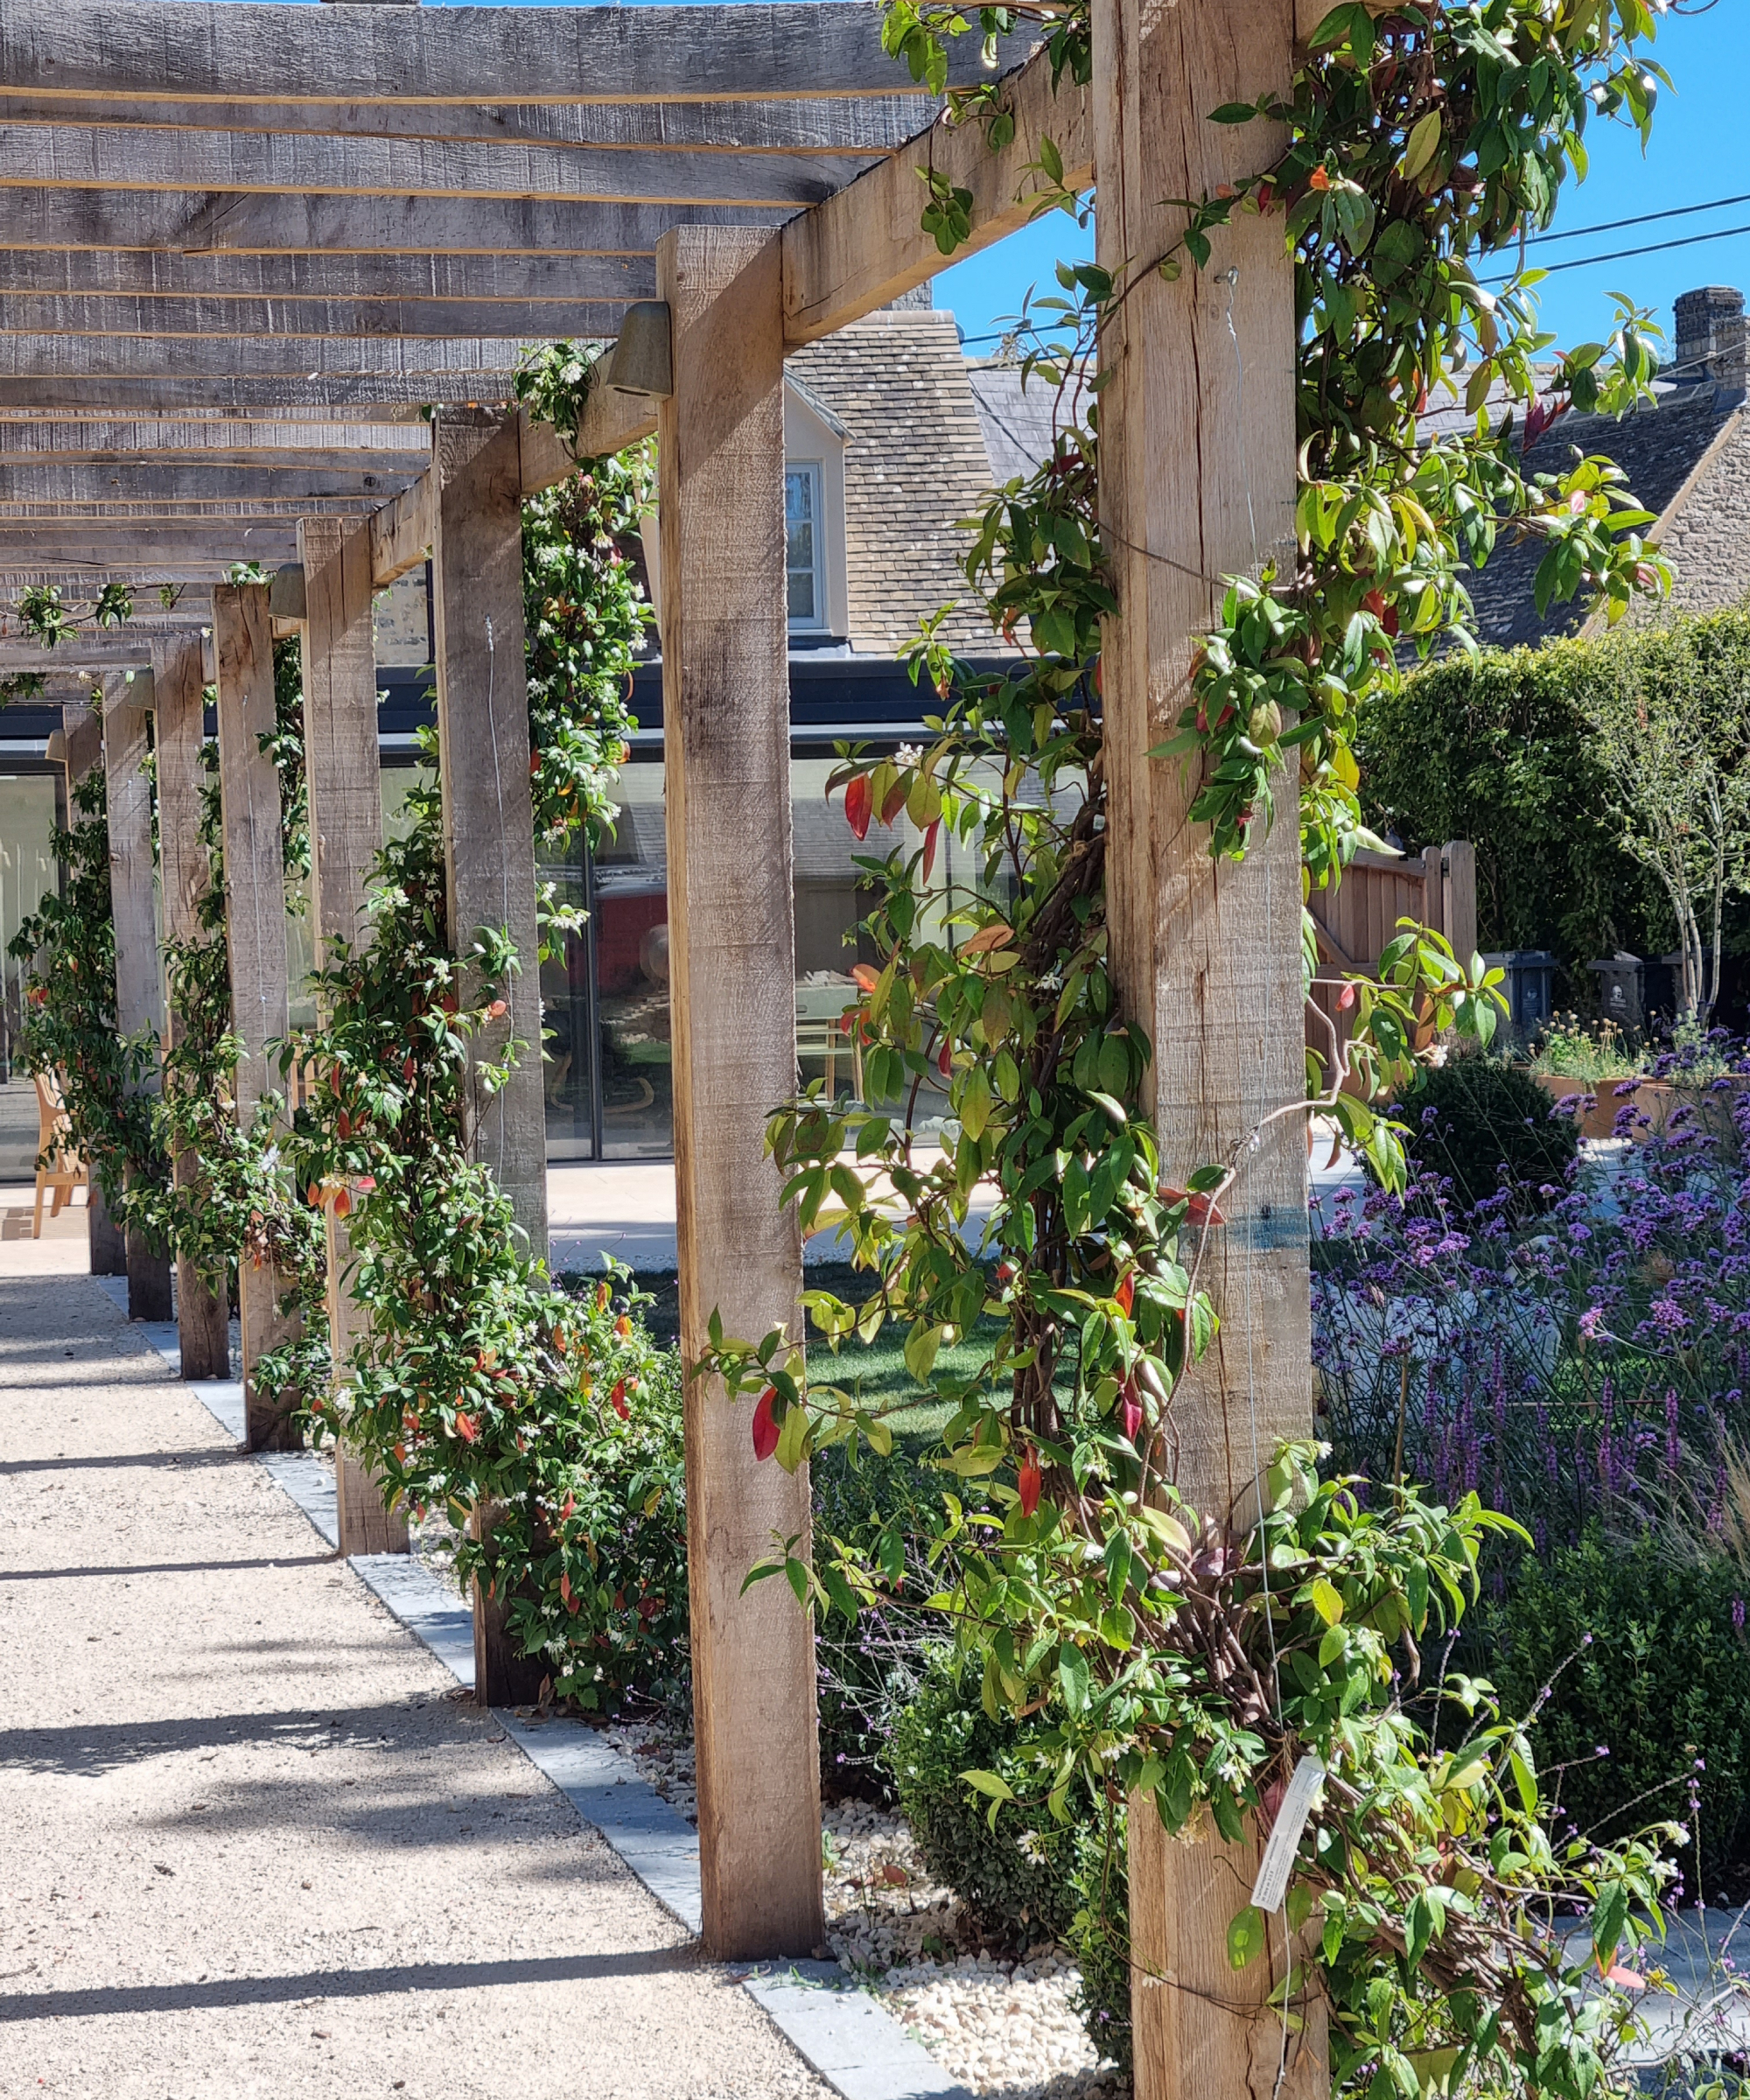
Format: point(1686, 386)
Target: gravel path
point(251, 1847)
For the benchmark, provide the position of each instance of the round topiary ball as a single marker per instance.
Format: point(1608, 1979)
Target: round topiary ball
point(1485, 1125)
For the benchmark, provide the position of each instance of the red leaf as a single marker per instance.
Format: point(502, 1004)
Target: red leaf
point(1346, 997)
point(944, 1062)
point(466, 1428)
point(1029, 1481)
point(571, 1505)
point(858, 805)
point(931, 833)
point(1132, 1410)
point(1126, 1292)
point(765, 1429)
point(498, 1008)
point(617, 1401)
point(565, 1592)
point(622, 1326)
point(1628, 1980)
point(1199, 1210)
point(895, 801)
point(365, 1184)
point(343, 1203)
point(408, 1069)
point(866, 975)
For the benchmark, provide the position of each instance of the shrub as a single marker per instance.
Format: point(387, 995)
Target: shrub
point(1028, 1877)
point(1659, 1677)
point(1014, 1878)
point(1474, 1117)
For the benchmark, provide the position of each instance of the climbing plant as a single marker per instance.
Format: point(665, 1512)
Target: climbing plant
point(479, 1386)
point(71, 1031)
point(1195, 1656)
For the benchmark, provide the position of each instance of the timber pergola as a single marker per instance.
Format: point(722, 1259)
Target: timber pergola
point(246, 244)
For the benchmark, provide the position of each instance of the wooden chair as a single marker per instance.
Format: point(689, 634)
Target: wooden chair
point(821, 1036)
point(66, 1171)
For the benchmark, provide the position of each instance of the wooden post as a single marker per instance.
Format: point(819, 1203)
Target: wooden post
point(1458, 859)
point(185, 875)
point(489, 849)
point(483, 739)
point(342, 778)
point(726, 716)
point(254, 934)
point(82, 739)
point(1197, 481)
point(128, 793)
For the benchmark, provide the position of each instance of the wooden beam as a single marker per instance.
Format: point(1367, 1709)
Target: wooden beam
point(863, 246)
point(225, 222)
point(82, 652)
point(152, 273)
point(726, 716)
point(254, 934)
point(109, 155)
point(292, 393)
point(488, 361)
point(147, 479)
point(824, 125)
point(489, 853)
point(345, 789)
point(612, 422)
point(366, 447)
point(1197, 481)
point(483, 729)
point(85, 314)
point(81, 750)
point(152, 50)
point(402, 532)
point(132, 910)
point(185, 876)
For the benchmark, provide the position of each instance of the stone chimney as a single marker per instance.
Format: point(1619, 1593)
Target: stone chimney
point(1710, 340)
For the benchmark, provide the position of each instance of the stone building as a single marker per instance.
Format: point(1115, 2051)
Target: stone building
point(1687, 456)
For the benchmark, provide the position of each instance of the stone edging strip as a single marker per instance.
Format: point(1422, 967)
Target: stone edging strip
point(838, 2028)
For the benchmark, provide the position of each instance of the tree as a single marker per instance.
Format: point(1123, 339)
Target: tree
point(1674, 737)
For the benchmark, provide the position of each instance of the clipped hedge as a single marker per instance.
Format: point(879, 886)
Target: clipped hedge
point(1481, 1124)
point(1498, 749)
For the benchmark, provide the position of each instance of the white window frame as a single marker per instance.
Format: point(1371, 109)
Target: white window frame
point(814, 469)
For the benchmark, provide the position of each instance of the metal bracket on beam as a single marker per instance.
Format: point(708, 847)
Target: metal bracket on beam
point(642, 360)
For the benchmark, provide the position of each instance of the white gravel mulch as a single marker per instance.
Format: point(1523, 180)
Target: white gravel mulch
point(1006, 2027)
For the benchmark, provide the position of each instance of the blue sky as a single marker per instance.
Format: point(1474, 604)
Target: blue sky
point(1690, 160)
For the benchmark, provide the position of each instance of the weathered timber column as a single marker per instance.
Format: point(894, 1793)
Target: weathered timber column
point(1197, 479)
point(254, 934)
point(342, 778)
point(83, 742)
point(185, 877)
point(483, 739)
point(726, 733)
point(489, 850)
point(128, 793)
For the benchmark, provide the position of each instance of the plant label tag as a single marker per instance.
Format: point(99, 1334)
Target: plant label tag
point(1269, 1891)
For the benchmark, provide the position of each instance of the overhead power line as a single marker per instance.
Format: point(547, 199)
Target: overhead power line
point(1615, 225)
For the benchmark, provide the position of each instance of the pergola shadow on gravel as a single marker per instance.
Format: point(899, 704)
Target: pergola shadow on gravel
point(248, 245)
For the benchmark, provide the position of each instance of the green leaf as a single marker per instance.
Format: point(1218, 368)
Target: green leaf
point(1246, 1937)
point(1326, 1601)
point(1072, 1678)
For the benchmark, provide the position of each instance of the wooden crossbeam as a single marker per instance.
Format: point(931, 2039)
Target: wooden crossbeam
point(293, 393)
point(197, 221)
point(535, 320)
point(366, 445)
point(121, 272)
point(863, 246)
point(184, 50)
point(802, 124)
point(108, 156)
point(175, 481)
point(491, 359)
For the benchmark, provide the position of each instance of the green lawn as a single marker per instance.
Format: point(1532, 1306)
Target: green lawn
point(877, 1371)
